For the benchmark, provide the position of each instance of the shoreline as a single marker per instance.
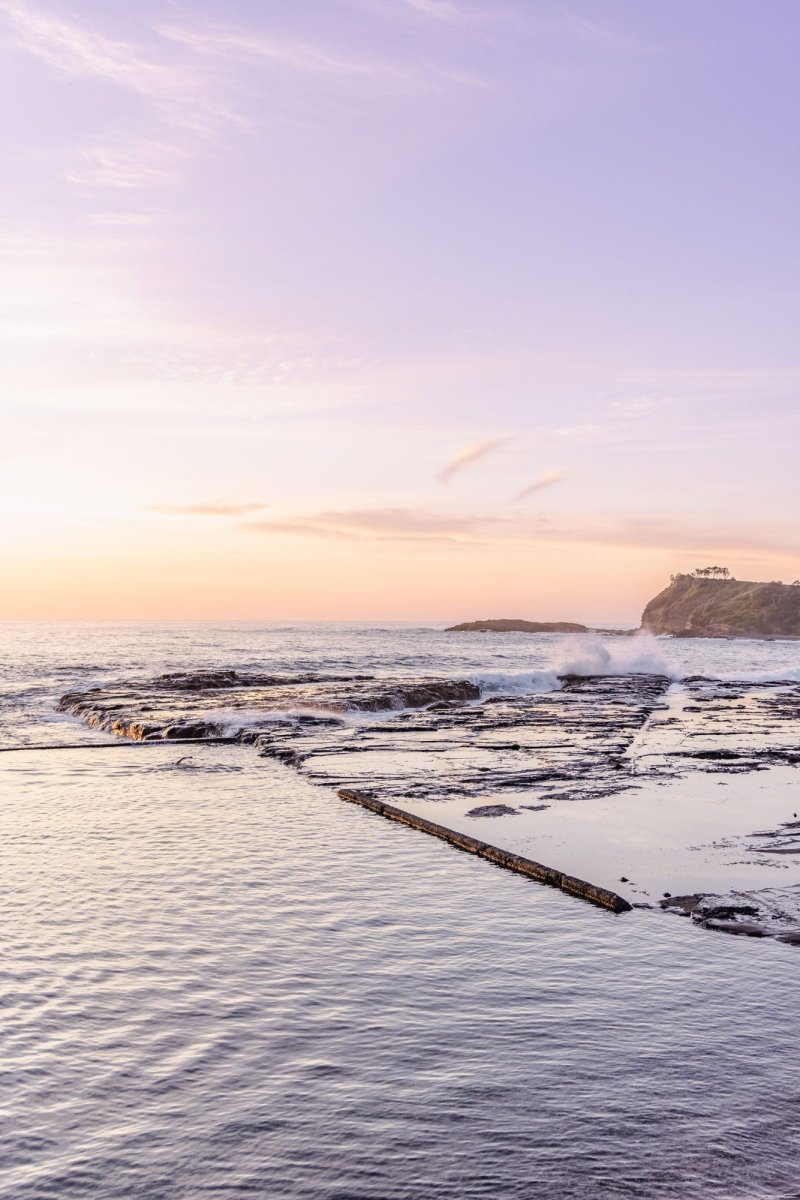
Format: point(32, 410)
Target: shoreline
point(601, 775)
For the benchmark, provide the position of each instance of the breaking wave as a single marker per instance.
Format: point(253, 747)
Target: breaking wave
point(641, 654)
point(516, 683)
point(234, 721)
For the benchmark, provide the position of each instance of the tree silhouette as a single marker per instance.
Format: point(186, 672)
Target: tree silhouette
point(712, 573)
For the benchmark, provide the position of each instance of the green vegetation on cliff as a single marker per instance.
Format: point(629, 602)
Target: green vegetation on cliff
point(719, 607)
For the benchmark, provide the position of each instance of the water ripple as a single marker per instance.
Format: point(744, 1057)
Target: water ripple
point(235, 986)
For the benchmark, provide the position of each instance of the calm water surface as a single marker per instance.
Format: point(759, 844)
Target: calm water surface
point(218, 980)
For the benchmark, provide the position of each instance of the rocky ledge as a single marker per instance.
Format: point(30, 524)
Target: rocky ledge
point(689, 791)
point(213, 704)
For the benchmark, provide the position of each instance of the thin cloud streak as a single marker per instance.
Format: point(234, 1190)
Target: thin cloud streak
point(426, 527)
point(544, 481)
point(469, 456)
point(236, 45)
point(77, 50)
point(140, 164)
point(209, 509)
point(382, 524)
point(182, 94)
point(220, 41)
point(439, 9)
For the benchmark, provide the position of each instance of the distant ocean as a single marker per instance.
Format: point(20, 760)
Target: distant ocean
point(218, 980)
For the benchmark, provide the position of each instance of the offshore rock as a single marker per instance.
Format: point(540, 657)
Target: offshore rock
point(514, 625)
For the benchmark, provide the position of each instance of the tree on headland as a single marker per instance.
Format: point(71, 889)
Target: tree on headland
point(712, 573)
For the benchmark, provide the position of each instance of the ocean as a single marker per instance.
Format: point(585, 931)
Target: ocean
point(219, 980)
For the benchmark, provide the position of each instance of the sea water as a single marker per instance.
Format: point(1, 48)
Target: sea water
point(218, 980)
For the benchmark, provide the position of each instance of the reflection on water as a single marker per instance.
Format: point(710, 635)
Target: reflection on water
point(230, 984)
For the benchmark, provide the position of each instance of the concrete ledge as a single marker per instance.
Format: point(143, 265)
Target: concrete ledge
point(502, 858)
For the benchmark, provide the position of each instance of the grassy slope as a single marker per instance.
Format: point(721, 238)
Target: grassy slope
point(713, 606)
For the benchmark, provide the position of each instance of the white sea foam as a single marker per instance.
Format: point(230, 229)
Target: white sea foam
point(516, 683)
point(232, 720)
point(583, 655)
point(776, 675)
point(641, 654)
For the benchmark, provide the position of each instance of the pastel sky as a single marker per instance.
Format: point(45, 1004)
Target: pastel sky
point(395, 308)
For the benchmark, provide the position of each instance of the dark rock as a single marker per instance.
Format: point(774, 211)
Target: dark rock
point(744, 928)
point(417, 696)
point(197, 729)
point(514, 625)
point(492, 810)
point(728, 912)
point(196, 681)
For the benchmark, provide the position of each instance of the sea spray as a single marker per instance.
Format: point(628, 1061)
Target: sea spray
point(641, 654)
point(583, 655)
point(516, 683)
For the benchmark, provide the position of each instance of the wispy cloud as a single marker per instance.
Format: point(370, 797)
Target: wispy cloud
point(469, 456)
point(137, 164)
point(383, 524)
point(183, 99)
point(544, 481)
point(77, 49)
point(238, 45)
point(596, 32)
point(221, 41)
point(440, 9)
point(208, 509)
point(424, 527)
point(122, 220)
point(441, 12)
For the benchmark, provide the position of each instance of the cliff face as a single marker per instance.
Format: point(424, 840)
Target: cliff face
point(718, 608)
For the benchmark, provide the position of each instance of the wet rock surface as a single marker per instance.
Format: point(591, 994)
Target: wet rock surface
point(492, 810)
point(532, 756)
point(216, 703)
point(770, 912)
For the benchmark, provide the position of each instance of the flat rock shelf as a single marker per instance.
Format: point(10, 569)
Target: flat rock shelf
point(682, 792)
point(502, 858)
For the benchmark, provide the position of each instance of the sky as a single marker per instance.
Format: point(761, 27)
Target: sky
point(395, 309)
